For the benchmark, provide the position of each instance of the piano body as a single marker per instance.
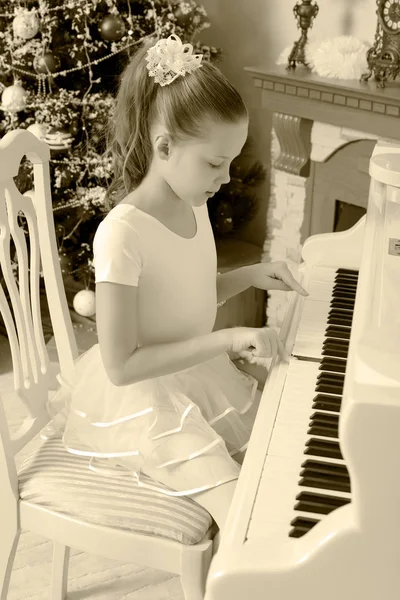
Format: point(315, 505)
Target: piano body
point(316, 512)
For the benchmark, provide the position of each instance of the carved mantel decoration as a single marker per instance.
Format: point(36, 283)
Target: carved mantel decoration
point(312, 118)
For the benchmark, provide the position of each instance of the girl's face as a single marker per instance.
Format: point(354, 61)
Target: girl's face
point(196, 169)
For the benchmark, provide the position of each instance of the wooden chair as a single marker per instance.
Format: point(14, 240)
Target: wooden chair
point(50, 493)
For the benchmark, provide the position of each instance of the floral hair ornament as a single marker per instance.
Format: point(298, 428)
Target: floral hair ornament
point(169, 59)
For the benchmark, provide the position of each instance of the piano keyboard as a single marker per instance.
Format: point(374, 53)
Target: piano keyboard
point(304, 475)
point(325, 324)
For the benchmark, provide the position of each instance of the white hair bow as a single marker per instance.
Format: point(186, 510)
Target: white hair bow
point(169, 58)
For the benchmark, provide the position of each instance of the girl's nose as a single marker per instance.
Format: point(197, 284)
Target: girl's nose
point(225, 177)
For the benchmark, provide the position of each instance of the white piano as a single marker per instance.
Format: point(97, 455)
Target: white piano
point(316, 512)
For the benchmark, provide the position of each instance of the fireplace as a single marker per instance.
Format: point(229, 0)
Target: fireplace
point(323, 135)
point(346, 215)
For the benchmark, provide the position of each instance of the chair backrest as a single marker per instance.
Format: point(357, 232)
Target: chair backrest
point(30, 358)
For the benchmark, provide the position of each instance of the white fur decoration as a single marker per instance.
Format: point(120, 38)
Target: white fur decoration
point(341, 57)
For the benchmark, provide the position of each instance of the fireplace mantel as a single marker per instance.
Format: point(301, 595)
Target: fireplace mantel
point(312, 117)
point(344, 103)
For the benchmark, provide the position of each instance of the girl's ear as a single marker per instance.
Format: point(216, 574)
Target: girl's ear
point(162, 147)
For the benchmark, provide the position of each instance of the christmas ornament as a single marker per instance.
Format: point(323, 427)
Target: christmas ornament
point(184, 16)
point(38, 129)
point(84, 303)
point(26, 23)
point(14, 98)
point(47, 63)
point(58, 139)
point(384, 56)
point(112, 28)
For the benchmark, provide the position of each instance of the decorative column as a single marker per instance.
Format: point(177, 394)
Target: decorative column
point(290, 159)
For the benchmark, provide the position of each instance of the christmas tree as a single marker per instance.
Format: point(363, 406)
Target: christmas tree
point(60, 62)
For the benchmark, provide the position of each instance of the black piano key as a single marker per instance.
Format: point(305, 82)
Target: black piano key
point(341, 292)
point(343, 304)
point(347, 281)
point(330, 364)
point(302, 525)
point(319, 503)
point(334, 352)
point(323, 379)
point(342, 312)
point(326, 376)
point(318, 426)
point(329, 403)
point(325, 448)
point(350, 281)
point(322, 466)
point(332, 482)
point(345, 286)
point(336, 342)
point(345, 316)
point(329, 388)
point(320, 417)
point(344, 271)
point(341, 301)
point(336, 320)
point(338, 312)
point(336, 332)
point(322, 431)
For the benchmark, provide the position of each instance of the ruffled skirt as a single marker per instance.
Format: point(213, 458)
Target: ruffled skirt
point(182, 430)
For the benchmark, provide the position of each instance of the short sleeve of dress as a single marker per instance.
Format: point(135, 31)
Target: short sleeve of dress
point(116, 253)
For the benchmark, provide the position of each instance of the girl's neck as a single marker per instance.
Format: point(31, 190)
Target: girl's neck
point(154, 195)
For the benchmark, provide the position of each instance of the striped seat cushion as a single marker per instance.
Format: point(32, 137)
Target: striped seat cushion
point(51, 477)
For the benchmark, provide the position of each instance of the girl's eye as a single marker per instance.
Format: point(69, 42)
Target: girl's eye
point(214, 166)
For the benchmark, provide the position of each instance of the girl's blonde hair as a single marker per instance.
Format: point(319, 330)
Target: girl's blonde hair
point(180, 106)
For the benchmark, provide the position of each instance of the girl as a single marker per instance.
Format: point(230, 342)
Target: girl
point(158, 394)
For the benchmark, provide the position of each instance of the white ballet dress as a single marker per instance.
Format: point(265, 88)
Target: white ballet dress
point(181, 430)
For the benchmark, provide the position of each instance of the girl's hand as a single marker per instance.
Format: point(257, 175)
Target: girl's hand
point(261, 342)
point(273, 276)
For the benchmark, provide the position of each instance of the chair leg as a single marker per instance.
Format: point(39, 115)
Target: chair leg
point(59, 580)
point(195, 566)
point(8, 549)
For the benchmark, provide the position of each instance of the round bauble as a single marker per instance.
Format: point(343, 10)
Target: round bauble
point(26, 24)
point(112, 28)
point(14, 98)
point(46, 63)
point(84, 303)
point(39, 130)
point(184, 17)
